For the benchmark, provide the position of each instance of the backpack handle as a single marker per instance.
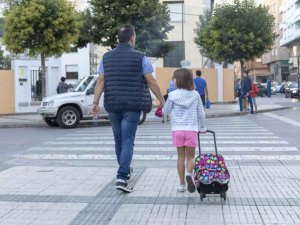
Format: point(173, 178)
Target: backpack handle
point(215, 142)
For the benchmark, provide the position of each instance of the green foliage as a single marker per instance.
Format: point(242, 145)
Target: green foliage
point(5, 61)
point(235, 32)
point(85, 36)
point(41, 27)
point(150, 18)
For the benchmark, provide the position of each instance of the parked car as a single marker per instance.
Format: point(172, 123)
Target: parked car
point(273, 89)
point(277, 88)
point(262, 90)
point(283, 87)
point(292, 90)
point(66, 110)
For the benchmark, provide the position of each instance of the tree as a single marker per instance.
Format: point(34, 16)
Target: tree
point(41, 27)
point(150, 18)
point(236, 32)
point(5, 61)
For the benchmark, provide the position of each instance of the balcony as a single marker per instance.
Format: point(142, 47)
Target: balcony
point(297, 15)
point(295, 37)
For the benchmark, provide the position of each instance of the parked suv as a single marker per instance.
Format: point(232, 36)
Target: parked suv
point(66, 110)
point(292, 90)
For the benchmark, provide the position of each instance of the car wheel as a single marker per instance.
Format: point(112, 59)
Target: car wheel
point(68, 117)
point(142, 117)
point(286, 95)
point(51, 122)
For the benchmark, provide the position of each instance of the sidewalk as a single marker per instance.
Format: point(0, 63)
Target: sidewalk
point(216, 110)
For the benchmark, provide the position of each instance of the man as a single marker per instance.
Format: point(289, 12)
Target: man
point(201, 86)
point(126, 74)
point(246, 92)
point(62, 86)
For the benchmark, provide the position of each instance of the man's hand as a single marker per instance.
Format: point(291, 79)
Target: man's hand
point(95, 110)
point(161, 104)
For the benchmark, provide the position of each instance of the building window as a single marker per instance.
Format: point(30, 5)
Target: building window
point(72, 72)
point(176, 11)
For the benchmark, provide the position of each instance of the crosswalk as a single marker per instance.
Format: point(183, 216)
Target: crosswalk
point(237, 138)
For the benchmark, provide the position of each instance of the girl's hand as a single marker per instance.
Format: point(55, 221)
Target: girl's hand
point(203, 131)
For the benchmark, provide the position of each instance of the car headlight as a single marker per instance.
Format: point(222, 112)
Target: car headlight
point(294, 91)
point(51, 103)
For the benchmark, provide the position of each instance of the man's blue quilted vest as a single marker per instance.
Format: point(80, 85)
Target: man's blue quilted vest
point(125, 86)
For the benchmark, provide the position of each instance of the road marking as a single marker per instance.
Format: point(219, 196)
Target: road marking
point(252, 130)
point(166, 137)
point(165, 149)
point(151, 157)
point(139, 134)
point(283, 119)
point(160, 142)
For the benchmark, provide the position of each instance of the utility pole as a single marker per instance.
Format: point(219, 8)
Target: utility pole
point(298, 92)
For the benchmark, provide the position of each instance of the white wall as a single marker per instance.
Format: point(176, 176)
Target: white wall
point(22, 70)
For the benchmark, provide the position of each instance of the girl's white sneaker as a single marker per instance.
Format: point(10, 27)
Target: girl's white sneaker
point(182, 188)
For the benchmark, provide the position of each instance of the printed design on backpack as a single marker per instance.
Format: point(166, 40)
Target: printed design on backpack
point(209, 168)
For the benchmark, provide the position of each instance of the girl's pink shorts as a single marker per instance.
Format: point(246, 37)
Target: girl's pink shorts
point(184, 138)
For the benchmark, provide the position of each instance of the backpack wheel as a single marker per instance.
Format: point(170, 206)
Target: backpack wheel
point(202, 196)
point(223, 195)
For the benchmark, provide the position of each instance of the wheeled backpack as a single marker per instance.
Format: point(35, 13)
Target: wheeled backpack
point(210, 173)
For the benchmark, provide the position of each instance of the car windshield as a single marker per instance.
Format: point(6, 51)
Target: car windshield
point(83, 84)
point(293, 85)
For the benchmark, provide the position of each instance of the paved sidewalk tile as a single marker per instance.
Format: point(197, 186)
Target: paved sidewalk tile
point(72, 181)
point(35, 213)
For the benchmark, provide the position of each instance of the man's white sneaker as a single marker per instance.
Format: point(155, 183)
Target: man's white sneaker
point(182, 188)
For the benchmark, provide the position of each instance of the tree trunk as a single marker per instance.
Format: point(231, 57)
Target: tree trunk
point(242, 66)
point(225, 64)
point(43, 75)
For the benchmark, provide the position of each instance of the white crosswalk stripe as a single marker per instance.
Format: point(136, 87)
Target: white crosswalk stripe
point(237, 139)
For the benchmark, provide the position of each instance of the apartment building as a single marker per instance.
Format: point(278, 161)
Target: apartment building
point(184, 15)
point(277, 58)
point(290, 29)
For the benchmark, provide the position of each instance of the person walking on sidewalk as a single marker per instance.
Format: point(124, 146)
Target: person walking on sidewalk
point(126, 74)
point(187, 118)
point(246, 92)
point(201, 87)
point(62, 86)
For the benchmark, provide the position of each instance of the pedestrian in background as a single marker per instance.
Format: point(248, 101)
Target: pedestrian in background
point(126, 74)
point(62, 86)
point(187, 118)
point(201, 87)
point(254, 93)
point(269, 85)
point(246, 92)
point(172, 85)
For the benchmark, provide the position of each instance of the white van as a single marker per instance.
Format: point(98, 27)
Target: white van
point(66, 110)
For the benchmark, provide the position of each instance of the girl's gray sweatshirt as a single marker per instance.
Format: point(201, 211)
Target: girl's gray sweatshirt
point(186, 109)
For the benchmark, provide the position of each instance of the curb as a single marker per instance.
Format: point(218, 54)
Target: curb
point(90, 123)
point(246, 113)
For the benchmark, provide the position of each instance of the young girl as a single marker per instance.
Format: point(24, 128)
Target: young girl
point(187, 118)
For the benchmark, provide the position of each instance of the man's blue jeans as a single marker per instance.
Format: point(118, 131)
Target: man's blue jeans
point(241, 98)
point(124, 125)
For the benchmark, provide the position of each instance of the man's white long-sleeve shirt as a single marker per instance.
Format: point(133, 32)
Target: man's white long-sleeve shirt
point(186, 109)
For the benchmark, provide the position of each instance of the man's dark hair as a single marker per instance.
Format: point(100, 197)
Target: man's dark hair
point(125, 32)
point(63, 79)
point(198, 73)
point(184, 79)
